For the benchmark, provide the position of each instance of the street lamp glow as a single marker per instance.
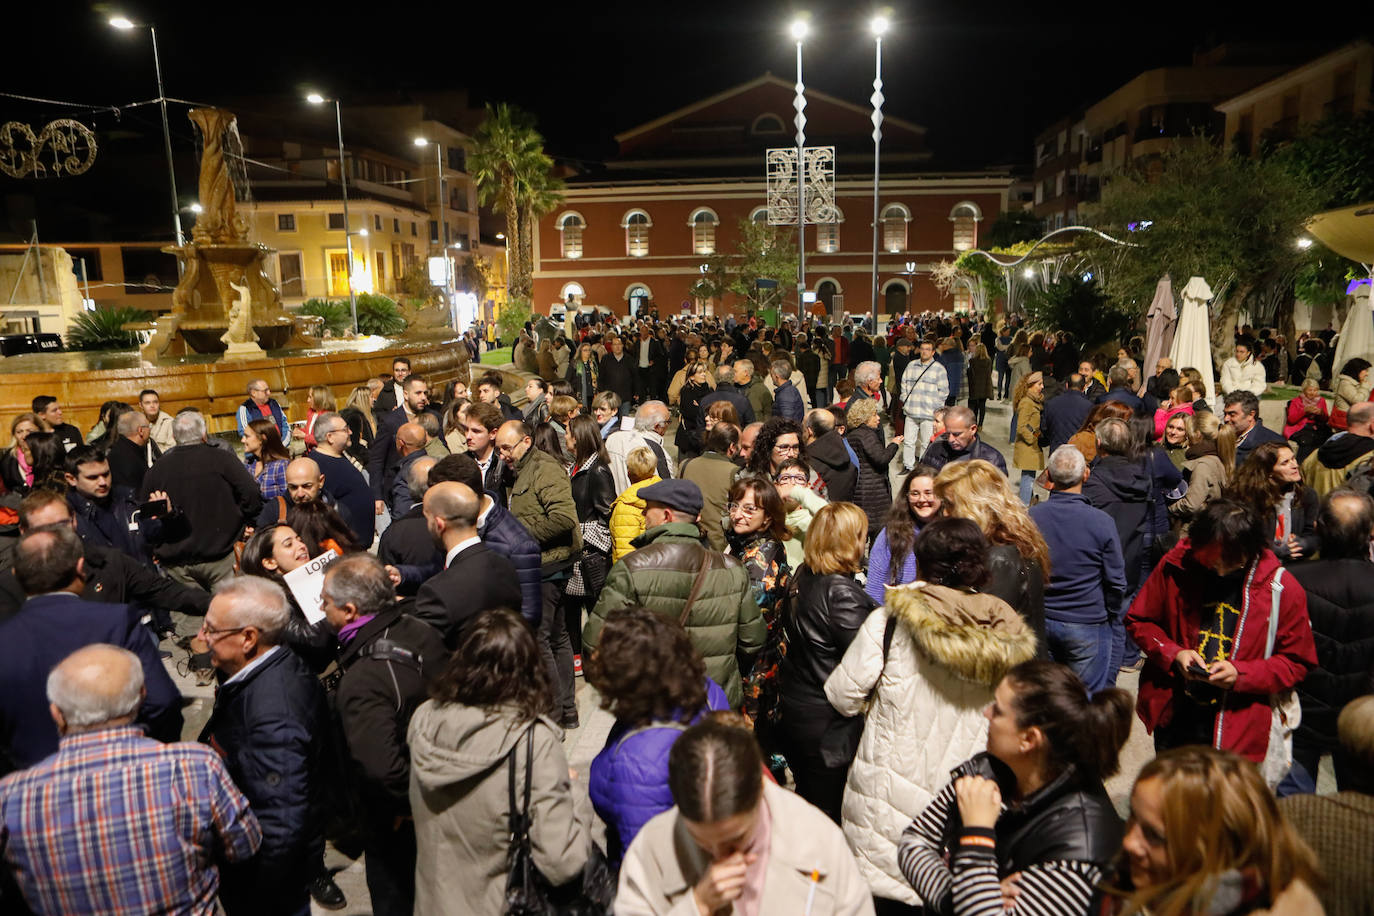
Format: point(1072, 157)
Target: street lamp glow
point(1028, 273)
point(363, 232)
point(197, 208)
point(799, 29)
point(421, 141)
point(315, 98)
point(1304, 243)
point(500, 236)
point(879, 26)
point(121, 22)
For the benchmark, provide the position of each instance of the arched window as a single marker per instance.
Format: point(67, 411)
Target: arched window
point(826, 291)
point(767, 124)
point(638, 295)
point(572, 289)
point(965, 217)
point(636, 224)
point(759, 214)
point(703, 222)
point(895, 296)
point(570, 226)
point(828, 234)
point(895, 217)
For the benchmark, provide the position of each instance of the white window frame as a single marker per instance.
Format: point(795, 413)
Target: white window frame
point(756, 213)
point(287, 216)
point(703, 231)
point(894, 227)
point(574, 288)
point(570, 236)
point(636, 232)
point(828, 234)
point(965, 215)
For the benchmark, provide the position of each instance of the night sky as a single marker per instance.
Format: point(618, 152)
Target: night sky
point(982, 77)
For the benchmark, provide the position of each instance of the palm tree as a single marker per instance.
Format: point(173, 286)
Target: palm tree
point(513, 174)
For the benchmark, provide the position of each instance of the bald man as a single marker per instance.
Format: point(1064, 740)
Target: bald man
point(190, 814)
point(410, 445)
point(475, 578)
point(304, 484)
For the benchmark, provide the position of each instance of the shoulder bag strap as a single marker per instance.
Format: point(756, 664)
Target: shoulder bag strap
point(1276, 594)
point(696, 587)
point(907, 394)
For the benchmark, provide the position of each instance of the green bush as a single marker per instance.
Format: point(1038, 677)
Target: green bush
point(102, 329)
point(338, 320)
point(1078, 306)
point(513, 316)
point(380, 315)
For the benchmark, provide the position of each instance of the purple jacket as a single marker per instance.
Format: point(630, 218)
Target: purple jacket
point(629, 778)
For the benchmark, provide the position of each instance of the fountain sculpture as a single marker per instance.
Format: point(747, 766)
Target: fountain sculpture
point(225, 301)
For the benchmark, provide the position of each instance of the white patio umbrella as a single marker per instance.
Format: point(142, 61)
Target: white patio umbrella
point(1192, 344)
point(1160, 322)
point(1357, 334)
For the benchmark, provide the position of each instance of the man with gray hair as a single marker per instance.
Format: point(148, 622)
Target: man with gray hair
point(188, 813)
point(344, 482)
point(407, 541)
point(753, 389)
point(271, 725)
point(261, 405)
point(787, 400)
point(217, 497)
point(386, 661)
point(53, 622)
point(1087, 576)
point(651, 422)
point(868, 383)
point(132, 450)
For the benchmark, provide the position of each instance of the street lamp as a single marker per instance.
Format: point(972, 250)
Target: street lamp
point(800, 28)
point(315, 98)
point(878, 26)
point(125, 24)
point(441, 224)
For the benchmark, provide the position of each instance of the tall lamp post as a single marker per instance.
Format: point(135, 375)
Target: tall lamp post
point(315, 98)
point(124, 24)
point(440, 223)
point(879, 27)
point(800, 28)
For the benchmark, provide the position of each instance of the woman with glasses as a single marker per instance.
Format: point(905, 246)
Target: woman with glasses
point(778, 440)
point(800, 504)
point(826, 612)
point(756, 536)
point(892, 559)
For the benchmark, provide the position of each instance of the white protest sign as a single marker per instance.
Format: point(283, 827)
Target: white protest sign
point(306, 583)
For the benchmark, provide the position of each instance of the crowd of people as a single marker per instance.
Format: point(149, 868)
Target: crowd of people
point(858, 661)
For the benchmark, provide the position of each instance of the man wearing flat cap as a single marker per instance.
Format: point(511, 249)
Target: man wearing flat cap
point(672, 572)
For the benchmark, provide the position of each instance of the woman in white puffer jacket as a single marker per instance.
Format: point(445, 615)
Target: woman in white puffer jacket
point(925, 665)
point(1241, 372)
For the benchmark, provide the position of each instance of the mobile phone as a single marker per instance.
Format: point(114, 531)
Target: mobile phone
point(154, 508)
point(1197, 670)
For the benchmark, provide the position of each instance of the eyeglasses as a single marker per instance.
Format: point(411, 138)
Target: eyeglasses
point(792, 478)
point(210, 631)
point(779, 447)
point(743, 507)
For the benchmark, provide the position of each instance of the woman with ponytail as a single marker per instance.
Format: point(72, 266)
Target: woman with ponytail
point(1049, 748)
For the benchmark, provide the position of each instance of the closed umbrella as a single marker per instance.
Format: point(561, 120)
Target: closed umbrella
point(1357, 334)
point(1160, 322)
point(1192, 344)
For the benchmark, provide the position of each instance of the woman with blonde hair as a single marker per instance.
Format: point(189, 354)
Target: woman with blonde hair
point(17, 465)
point(1027, 454)
point(1307, 421)
point(317, 401)
point(1207, 464)
point(357, 413)
point(828, 606)
point(1018, 558)
point(1206, 836)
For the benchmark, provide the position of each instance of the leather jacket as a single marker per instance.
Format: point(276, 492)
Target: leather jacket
point(1020, 583)
point(1068, 819)
point(593, 490)
point(826, 613)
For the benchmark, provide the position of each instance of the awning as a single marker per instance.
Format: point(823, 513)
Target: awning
point(1348, 231)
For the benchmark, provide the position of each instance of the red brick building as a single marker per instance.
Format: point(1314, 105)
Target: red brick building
point(639, 230)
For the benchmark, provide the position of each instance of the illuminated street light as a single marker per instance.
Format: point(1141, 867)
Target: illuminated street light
point(879, 26)
point(1304, 243)
point(315, 98)
point(196, 208)
point(800, 28)
point(124, 24)
point(440, 221)
point(121, 23)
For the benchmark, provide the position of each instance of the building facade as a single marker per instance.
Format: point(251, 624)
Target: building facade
point(638, 232)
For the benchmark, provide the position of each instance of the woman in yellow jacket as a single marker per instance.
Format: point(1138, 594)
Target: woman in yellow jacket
point(627, 512)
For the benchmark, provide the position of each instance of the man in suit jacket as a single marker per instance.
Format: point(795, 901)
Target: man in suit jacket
point(132, 452)
point(475, 578)
point(382, 457)
point(390, 397)
point(53, 623)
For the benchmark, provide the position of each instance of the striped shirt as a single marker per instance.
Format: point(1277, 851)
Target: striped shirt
point(116, 822)
point(970, 876)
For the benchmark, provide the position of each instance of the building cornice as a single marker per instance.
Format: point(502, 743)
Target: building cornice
point(1297, 75)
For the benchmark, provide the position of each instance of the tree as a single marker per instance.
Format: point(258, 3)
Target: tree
point(1336, 156)
point(472, 275)
point(512, 319)
point(763, 252)
point(1079, 306)
point(512, 172)
point(1231, 220)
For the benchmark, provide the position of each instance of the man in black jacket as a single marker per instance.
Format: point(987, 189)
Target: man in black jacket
point(216, 496)
point(108, 515)
point(340, 479)
point(618, 372)
point(827, 455)
point(387, 661)
point(1240, 410)
point(960, 442)
point(1064, 414)
point(50, 411)
point(382, 456)
point(390, 397)
point(725, 391)
point(111, 576)
point(475, 578)
point(132, 451)
point(1340, 603)
point(271, 725)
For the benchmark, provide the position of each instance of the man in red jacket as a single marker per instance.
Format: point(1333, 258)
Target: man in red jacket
point(1213, 659)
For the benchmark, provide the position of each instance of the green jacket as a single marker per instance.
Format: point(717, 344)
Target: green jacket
point(759, 398)
point(713, 473)
point(543, 502)
point(659, 574)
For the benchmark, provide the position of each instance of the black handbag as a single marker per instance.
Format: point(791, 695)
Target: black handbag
point(528, 892)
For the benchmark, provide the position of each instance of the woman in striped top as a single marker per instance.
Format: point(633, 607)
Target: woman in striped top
point(1027, 826)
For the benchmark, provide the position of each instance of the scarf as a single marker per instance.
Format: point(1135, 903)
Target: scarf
point(1201, 449)
point(1312, 405)
point(24, 467)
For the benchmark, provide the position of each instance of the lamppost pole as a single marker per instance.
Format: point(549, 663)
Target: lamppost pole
point(348, 224)
point(799, 30)
point(879, 27)
point(124, 24)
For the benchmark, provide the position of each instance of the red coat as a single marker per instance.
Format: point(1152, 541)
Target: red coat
point(1164, 618)
point(1297, 417)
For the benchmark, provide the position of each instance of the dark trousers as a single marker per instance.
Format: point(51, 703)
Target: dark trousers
point(556, 648)
point(979, 406)
point(389, 861)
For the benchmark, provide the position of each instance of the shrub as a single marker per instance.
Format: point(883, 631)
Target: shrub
point(338, 320)
point(103, 329)
point(378, 314)
point(513, 316)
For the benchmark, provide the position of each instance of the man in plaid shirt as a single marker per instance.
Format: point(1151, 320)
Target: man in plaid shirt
point(115, 822)
point(923, 389)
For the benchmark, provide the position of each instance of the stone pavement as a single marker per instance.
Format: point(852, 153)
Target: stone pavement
point(583, 744)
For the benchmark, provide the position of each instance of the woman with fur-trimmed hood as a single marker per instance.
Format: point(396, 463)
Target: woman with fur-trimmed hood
point(921, 670)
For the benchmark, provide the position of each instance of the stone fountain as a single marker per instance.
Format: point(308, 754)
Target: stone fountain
point(225, 302)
